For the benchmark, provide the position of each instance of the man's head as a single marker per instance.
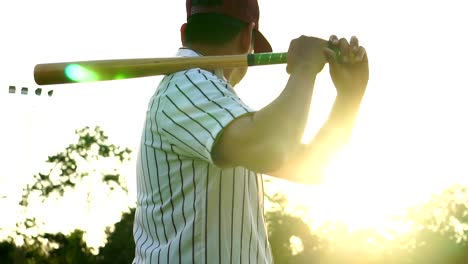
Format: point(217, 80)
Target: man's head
point(223, 27)
point(219, 20)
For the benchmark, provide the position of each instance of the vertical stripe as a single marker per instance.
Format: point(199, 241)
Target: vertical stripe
point(148, 231)
point(240, 104)
point(150, 182)
point(250, 217)
point(187, 131)
point(265, 231)
point(161, 201)
point(200, 72)
point(206, 211)
point(157, 175)
point(224, 95)
point(220, 221)
point(258, 212)
point(242, 217)
point(171, 201)
point(191, 118)
point(194, 210)
point(217, 88)
point(232, 207)
point(183, 205)
point(208, 98)
point(197, 107)
point(139, 215)
point(161, 204)
point(184, 143)
point(168, 84)
point(145, 217)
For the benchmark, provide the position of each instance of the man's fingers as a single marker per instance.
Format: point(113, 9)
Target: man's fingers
point(354, 42)
point(361, 55)
point(354, 48)
point(331, 55)
point(341, 51)
point(334, 40)
point(344, 50)
point(344, 46)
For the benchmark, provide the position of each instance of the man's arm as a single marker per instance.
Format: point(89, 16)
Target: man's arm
point(308, 164)
point(350, 73)
point(269, 140)
point(262, 141)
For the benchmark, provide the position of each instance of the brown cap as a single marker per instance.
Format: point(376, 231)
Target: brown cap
point(244, 10)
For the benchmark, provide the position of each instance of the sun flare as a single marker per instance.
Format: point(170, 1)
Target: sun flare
point(384, 170)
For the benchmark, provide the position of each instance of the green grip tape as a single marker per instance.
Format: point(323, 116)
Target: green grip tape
point(266, 58)
point(279, 58)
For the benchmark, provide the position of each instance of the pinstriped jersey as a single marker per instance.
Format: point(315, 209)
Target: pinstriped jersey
point(188, 209)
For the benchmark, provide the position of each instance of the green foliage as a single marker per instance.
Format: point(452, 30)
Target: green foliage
point(7, 251)
point(437, 239)
point(68, 249)
point(120, 247)
point(440, 232)
point(49, 249)
point(68, 169)
point(282, 227)
point(64, 172)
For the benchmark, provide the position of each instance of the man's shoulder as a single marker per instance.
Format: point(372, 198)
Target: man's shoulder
point(195, 75)
point(194, 78)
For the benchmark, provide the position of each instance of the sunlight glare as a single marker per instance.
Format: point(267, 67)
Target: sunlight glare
point(78, 73)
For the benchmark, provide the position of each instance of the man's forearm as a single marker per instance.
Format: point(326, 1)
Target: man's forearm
point(286, 117)
point(334, 134)
point(310, 162)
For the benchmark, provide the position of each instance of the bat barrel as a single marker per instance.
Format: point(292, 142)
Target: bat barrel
point(105, 70)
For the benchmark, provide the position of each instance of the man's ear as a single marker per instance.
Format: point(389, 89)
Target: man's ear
point(247, 37)
point(182, 34)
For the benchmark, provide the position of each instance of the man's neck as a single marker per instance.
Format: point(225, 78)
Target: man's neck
point(207, 50)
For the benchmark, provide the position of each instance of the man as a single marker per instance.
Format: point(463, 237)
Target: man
point(203, 151)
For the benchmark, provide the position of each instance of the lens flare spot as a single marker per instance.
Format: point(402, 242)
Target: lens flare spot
point(78, 73)
point(120, 76)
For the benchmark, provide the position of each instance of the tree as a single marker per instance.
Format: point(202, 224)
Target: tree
point(64, 173)
point(7, 251)
point(440, 235)
point(92, 164)
point(442, 228)
point(120, 247)
point(290, 237)
point(69, 249)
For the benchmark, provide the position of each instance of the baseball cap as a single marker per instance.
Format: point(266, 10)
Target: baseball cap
point(244, 10)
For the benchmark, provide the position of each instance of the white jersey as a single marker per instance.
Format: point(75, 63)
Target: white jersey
point(188, 209)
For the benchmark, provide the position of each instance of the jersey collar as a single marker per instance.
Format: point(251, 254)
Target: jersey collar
point(186, 52)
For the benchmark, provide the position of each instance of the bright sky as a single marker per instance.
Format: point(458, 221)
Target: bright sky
point(410, 139)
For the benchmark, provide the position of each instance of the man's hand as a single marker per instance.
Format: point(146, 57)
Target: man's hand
point(349, 67)
point(306, 53)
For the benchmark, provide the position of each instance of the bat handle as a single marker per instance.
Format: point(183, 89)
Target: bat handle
point(258, 59)
point(270, 58)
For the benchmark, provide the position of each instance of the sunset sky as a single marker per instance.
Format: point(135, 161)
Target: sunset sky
point(410, 139)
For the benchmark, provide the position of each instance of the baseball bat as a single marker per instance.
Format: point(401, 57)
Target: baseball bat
point(105, 70)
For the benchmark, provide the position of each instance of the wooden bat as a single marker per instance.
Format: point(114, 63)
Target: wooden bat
point(104, 70)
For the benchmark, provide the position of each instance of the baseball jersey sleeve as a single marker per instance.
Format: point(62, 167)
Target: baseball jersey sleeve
point(196, 107)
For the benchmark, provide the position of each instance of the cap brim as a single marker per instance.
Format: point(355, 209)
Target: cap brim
point(261, 43)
